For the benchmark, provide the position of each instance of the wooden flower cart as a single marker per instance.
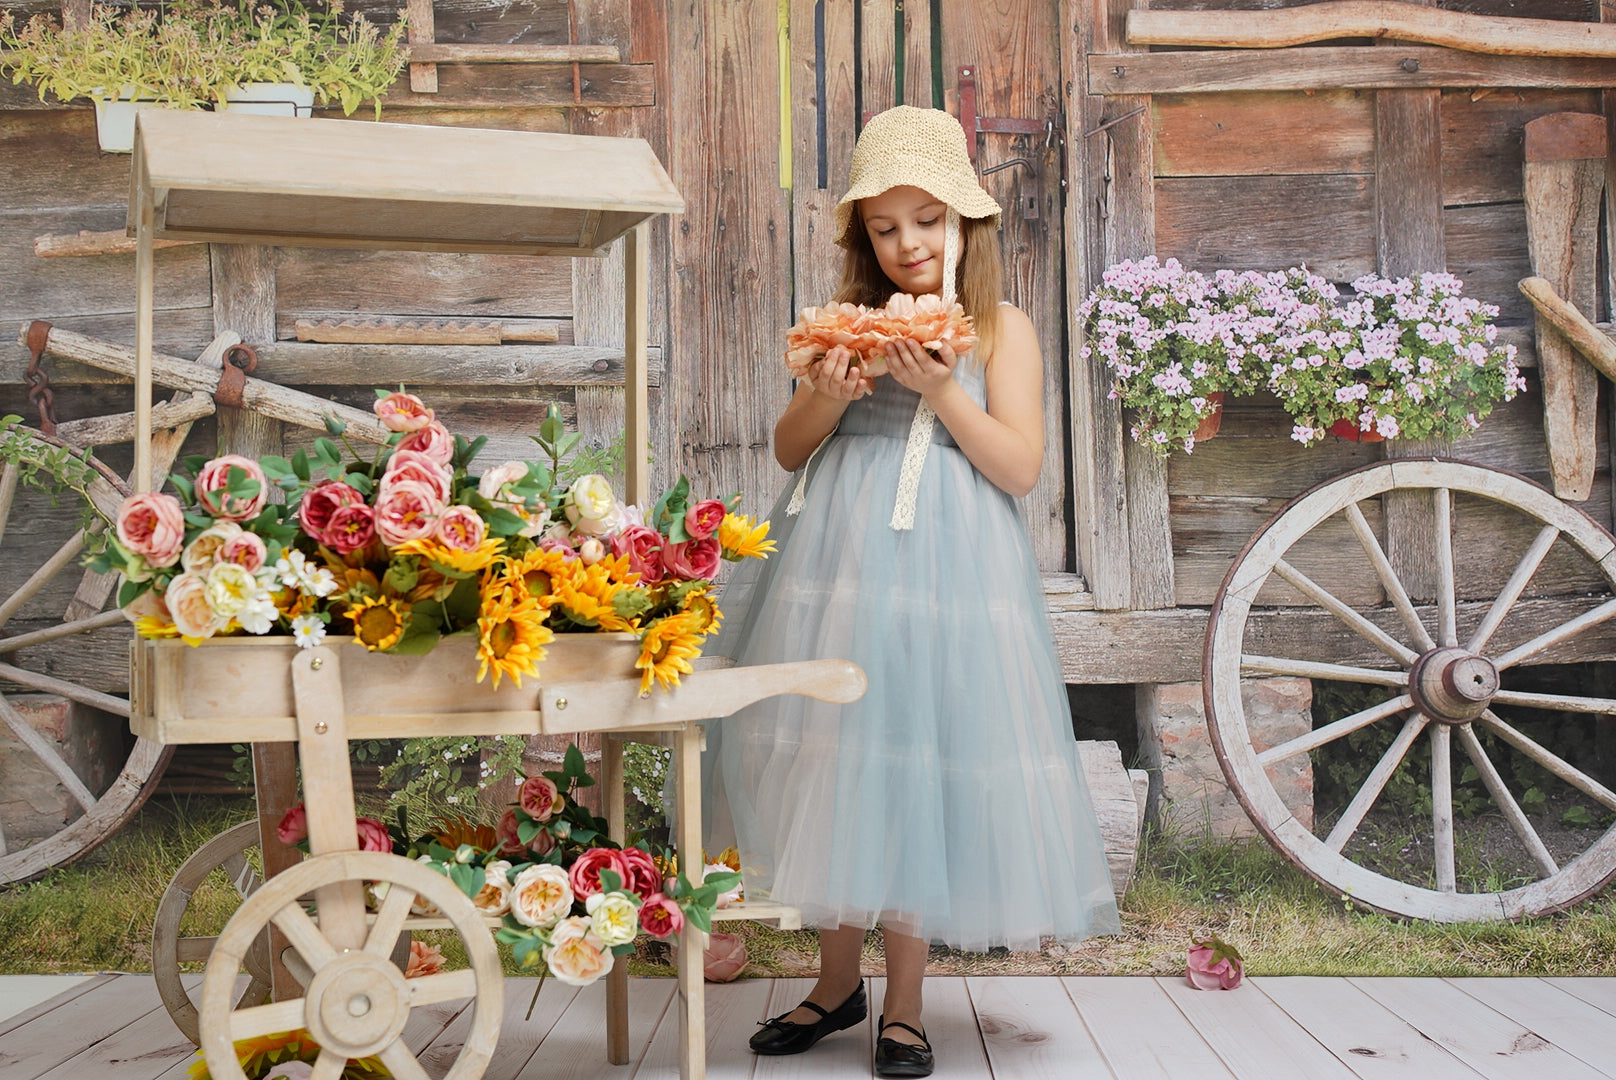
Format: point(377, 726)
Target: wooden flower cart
point(244, 179)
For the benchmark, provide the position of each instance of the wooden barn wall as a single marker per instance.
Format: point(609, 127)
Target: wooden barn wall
point(1339, 180)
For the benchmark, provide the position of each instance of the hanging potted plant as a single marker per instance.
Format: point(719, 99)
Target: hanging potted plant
point(278, 58)
point(121, 60)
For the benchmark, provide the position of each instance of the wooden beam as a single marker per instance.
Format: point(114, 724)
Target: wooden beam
point(1344, 67)
point(514, 54)
point(1585, 336)
point(503, 86)
point(1501, 36)
point(85, 242)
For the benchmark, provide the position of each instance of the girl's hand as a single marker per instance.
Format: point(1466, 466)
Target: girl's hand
point(919, 370)
point(836, 376)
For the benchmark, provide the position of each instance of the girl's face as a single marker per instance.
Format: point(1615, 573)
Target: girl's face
point(906, 227)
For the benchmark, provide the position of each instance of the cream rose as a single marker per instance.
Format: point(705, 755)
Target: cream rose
point(541, 895)
point(613, 918)
point(420, 905)
point(495, 896)
point(201, 553)
point(577, 956)
point(187, 597)
point(230, 589)
point(592, 509)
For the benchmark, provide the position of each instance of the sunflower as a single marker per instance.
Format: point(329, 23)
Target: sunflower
point(155, 626)
point(740, 540)
point(464, 562)
point(258, 1056)
point(587, 596)
point(666, 649)
point(511, 635)
point(705, 613)
point(378, 624)
point(539, 570)
point(452, 832)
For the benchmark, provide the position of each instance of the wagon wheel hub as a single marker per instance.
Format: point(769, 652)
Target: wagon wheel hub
point(1452, 685)
point(357, 1004)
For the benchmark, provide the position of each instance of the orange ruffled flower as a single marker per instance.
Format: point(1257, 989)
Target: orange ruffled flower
point(866, 331)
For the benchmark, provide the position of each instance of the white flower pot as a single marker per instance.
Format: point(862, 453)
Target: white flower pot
point(115, 120)
point(270, 99)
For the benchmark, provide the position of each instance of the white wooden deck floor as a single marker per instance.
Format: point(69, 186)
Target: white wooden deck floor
point(112, 1027)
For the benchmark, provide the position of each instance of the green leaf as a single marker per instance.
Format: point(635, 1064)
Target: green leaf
point(701, 916)
point(469, 879)
point(572, 763)
point(527, 830)
point(300, 465)
point(610, 881)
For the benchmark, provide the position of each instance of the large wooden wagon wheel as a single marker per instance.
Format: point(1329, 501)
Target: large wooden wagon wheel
point(36, 619)
point(1442, 671)
point(356, 1001)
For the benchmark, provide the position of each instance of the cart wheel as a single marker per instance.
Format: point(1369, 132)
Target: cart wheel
point(1442, 682)
point(356, 1001)
point(39, 647)
point(227, 852)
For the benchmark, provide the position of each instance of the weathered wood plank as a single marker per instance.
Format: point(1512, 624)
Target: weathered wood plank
point(311, 364)
point(499, 86)
point(1140, 1031)
point(1487, 251)
point(68, 987)
point(414, 283)
point(1481, 139)
point(1571, 1024)
point(1030, 1029)
point(824, 124)
point(39, 1045)
point(1253, 1036)
point(1326, 222)
point(1017, 72)
point(1358, 1031)
point(520, 1035)
point(1345, 67)
point(31, 287)
point(1247, 134)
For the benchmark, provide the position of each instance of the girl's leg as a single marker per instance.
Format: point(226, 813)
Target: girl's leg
point(906, 972)
point(839, 952)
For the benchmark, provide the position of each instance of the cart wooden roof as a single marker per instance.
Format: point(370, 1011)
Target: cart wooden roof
point(234, 178)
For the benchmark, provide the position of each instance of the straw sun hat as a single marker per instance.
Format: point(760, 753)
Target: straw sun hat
point(923, 148)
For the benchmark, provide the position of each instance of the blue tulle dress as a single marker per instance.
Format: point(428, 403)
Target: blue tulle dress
point(948, 802)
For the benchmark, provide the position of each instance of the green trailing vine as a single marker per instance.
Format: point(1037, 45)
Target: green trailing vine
point(51, 469)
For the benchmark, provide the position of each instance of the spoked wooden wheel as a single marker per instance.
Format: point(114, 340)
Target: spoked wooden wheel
point(1528, 564)
point(356, 1001)
point(50, 614)
point(227, 852)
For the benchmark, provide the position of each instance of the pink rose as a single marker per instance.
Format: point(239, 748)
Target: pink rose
point(702, 520)
point(321, 503)
point(726, 957)
point(642, 878)
point(505, 833)
point(351, 528)
point(414, 465)
point(424, 960)
point(294, 825)
point(373, 835)
point(585, 873)
point(210, 488)
point(152, 525)
point(407, 511)
point(643, 547)
point(402, 412)
point(461, 528)
point(692, 559)
point(187, 597)
point(1213, 964)
point(246, 550)
point(433, 440)
point(661, 917)
point(537, 797)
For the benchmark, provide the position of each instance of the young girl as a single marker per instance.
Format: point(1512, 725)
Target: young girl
point(947, 805)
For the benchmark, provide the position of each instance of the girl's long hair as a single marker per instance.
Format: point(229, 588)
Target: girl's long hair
point(980, 280)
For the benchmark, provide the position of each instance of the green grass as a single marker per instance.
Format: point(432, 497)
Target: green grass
point(96, 915)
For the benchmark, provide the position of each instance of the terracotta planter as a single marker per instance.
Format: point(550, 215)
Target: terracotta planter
point(1209, 425)
point(1346, 429)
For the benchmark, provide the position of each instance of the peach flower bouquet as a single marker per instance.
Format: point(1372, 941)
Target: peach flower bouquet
point(866, 331)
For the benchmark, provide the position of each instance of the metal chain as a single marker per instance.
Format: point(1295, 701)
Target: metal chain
point(39, 387)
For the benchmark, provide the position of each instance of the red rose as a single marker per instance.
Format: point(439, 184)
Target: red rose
point(373, 835)
point(702, 520)
point(585, 873)
point(692, 559)
point(643, 546)
point(642, 878)
point(661, 917)
point(352, 527)
point(537, 798)
point(320, 502)
point(294, 825)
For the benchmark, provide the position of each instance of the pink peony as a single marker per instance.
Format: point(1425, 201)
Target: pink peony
point(585, 873)
point(692, 559)
point(294, 825)
point(643, 547)
point(661, 917)
point(702, 520)
point(726, 957)
point(373, 835)
point(460, 528)
point(537, 797)
point(433, 440)
point(424, 960)
point(402, 412)
point(152, 525)
point(210, 488)
point(407, 511)
point(187, 598)
point(414, 465)
point(642, 878)
point(1213, 964)
point(321, 503)
point(351, 528)
point(510, 843)
point(246, 550)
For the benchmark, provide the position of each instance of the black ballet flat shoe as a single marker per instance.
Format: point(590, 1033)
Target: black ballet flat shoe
point(894, 1058)
point(782, 1036)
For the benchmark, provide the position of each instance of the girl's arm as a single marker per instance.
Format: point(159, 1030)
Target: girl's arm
point(1006, 441)
point(816, 408)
